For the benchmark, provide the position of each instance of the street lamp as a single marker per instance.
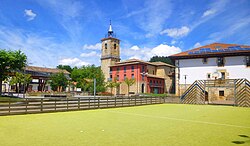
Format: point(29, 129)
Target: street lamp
point(185, 77)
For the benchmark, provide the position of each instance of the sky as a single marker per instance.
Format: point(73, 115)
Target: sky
point(69, 32)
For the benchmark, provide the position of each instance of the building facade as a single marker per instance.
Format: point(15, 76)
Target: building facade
point(212, 62)
point(40, 77)
point(150, 77)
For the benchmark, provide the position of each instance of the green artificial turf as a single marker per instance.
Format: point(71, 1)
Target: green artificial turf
point(165, 124)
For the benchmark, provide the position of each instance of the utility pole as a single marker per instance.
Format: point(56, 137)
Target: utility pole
point(94, 86)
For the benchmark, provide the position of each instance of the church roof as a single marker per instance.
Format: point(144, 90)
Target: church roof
point(215, 49)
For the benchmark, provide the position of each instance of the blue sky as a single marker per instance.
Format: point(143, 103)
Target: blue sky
point(52, 32)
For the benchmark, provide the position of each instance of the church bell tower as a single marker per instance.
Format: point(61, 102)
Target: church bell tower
point(110, 52)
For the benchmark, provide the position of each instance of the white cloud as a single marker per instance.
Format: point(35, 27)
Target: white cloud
point(165, 50)
point(147, 53)
point(209, 12)
point(135, 48)
point(196, 45)
point(97, 46)
point(73, 62)
point(173, 42)
point(29, 14)
point(90, 54)
point(176, 32)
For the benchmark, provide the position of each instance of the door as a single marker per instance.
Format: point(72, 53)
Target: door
point(142, 88)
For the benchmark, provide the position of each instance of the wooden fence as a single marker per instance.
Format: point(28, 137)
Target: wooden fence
point(41, 105)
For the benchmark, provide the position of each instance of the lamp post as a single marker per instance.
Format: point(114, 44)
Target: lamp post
point(185, 77)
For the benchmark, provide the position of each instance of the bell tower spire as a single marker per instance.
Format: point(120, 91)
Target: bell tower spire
point(110, 52)
point(110, 31)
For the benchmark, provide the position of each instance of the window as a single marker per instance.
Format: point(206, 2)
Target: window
point(114, 46)
point(106, 46)
point(133, 76)
point(125, 76)
point(247, 61)
point(118, 69)
point(220, 61)
point(143, 69)
point(110, 70)
point(209, 76)
point(204, 60)
point(223, 76)
point(143, 77)
point(153, 72)
point(132, 68)
point(125, 68)
point(110, 78)
point(221, 93)
point(117, 77)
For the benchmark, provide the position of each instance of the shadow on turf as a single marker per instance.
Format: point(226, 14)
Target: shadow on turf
point(242, 142)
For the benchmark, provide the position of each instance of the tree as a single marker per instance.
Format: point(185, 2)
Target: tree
point(110, 85)
point(58, 82)
point(19, 80)
point(10, 61)
point(84, 74)
point(65, 67)
point(161, 59)
point(113, 84)
point(129, 83)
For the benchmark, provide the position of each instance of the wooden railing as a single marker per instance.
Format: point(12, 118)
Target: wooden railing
point(40, 105)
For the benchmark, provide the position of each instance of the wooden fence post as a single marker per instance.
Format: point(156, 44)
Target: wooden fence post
point(55, 104)
point(41, 105)
point(89, 102)
point(107, 105)
point(9, 105)
point(67, 103)
point(26, 104)
point(78, 103)
point(115, 101)
point(98, 102)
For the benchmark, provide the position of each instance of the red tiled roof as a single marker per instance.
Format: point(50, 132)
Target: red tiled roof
point(214, 49)
point(47, 70)
point(136, 61)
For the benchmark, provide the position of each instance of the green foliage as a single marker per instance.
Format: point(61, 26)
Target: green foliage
point(161, 59)
point(21, 79)
point(129, 83)
point(112, 85)
point(66, 67)
point(10, 61)
point(84, 77)
point(58, 82)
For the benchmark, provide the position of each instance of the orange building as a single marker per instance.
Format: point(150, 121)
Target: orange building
point(150, 77)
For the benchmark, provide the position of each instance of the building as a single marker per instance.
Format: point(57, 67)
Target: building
point(40, 77)
point(213, 62)
point(150, 77)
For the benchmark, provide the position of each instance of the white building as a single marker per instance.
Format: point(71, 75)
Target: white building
point(214, 61)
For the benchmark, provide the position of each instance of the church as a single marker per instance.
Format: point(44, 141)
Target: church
point(150, 77)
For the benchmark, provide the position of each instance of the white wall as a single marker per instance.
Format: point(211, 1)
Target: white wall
point(196, 70)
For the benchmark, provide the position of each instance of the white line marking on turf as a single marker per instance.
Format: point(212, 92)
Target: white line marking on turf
point(177, 119)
